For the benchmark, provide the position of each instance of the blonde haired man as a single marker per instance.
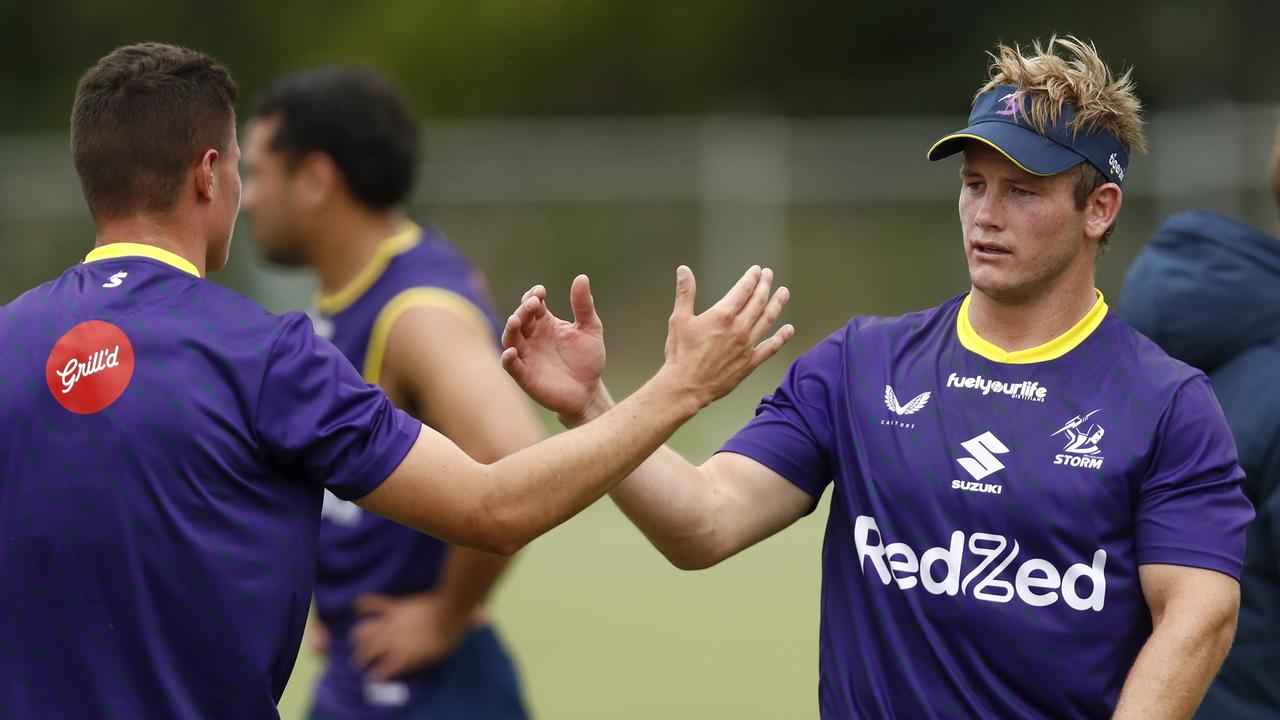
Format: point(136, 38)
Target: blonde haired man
point(1037, 513)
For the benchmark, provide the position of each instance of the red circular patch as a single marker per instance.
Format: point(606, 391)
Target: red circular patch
point(89, 367)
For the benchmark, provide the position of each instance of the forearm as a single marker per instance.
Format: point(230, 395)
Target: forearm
point(670, 500)
point(1175, 667)
point(673, 503)
point(467, 579)
point(539, 487)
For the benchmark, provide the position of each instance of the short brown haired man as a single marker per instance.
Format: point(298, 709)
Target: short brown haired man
point(165, 444)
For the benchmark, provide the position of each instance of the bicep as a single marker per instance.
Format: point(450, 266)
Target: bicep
point(450, 370)
point(753, 502)
point(1206, 596)
point(437, 489)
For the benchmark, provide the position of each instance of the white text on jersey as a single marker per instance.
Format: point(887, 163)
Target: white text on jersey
point(97, 362)
point(1036, 582)
point(1025, 390)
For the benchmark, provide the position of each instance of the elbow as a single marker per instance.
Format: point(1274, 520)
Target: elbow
point(1224, 637)
point(497, 532)
point(692, 558)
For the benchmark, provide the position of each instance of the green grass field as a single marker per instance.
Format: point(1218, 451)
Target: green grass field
point(602, 626)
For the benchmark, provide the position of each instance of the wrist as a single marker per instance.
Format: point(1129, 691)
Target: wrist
point(599, 403)
point(679, 391)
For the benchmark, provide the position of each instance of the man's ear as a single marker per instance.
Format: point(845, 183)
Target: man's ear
point(1101, 210)
point(207, 175)
point(317, 179)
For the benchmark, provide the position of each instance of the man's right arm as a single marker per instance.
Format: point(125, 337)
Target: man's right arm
point(697, 516)
point(501, 506)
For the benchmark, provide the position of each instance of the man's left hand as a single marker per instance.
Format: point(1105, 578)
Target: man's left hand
point(398, 635)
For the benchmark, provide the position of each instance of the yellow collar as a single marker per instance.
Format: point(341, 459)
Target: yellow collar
point(1051, 350)
point(406, 239)
point(128, 249)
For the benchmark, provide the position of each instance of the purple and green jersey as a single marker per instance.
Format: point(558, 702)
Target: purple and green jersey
point(165, 445)
point(991, 509)
point(361, 552)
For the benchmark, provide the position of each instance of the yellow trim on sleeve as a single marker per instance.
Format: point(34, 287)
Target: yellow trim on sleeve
point(128, 249)
point(401, 242)
point(407, 300)
point(997, 148)
point(1051, 350)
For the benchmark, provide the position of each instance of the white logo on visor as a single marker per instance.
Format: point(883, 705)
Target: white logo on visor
point(1115, 167)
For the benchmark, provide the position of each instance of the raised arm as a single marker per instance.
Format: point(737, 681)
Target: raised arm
point(501, 506)
point(695, 515)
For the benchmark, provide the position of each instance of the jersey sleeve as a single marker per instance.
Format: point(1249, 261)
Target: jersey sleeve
point(319, 421)
point(1191, 508)
point(791, 431)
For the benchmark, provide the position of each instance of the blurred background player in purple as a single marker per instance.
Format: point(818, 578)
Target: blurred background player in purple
point(329, 160)
point(979, 561)
point(1207, 289)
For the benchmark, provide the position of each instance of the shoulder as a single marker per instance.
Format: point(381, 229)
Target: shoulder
point(1147, 365)
point(875, 337)
point(889, 333)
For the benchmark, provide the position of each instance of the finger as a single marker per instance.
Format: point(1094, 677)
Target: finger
point(536, 291)
point(770, 347)
point(387, 667)
point(366, 642)
point(584, 306)
point(514, 366)
point(512, 338)
point(771, 313)
point(369, 652)
point(529, 312)
point(758, 301)
point(740, 293)
point(686, 290)
point(372, 604)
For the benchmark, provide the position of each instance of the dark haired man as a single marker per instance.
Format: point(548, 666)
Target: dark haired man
point(165, 444)
point(329, 162)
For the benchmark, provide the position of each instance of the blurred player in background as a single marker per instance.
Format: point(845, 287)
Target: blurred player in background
point(1207, 289)
point(329, 161)
point(165, 443)
point(1037, 513)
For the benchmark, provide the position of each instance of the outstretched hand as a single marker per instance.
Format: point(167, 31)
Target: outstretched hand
point(712, 352)
point(558, 363)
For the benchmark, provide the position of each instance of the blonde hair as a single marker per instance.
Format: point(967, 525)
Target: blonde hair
point(1051, 81)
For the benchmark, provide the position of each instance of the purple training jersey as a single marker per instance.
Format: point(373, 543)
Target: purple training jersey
point(164, 447)
point(361, 552)
point(991, 509)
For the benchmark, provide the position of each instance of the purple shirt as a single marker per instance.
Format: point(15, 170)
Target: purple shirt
point(991, 509)
point(361, 552)
point(164, 448)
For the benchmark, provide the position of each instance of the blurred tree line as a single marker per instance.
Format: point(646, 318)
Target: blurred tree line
point(590, 57)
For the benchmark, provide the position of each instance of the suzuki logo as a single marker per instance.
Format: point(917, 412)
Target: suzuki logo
point(984, 449)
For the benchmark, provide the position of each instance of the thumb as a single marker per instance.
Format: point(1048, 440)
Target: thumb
point(584, 306)
point(373, 604)
point(686, 289)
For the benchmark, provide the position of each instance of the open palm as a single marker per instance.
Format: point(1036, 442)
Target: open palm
point(558, 363)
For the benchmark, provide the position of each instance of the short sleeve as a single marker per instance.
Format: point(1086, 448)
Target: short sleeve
point(319, 421)
point(1192, 509)
point(791, 432)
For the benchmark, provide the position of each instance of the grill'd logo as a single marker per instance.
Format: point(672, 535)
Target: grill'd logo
point(89, 368)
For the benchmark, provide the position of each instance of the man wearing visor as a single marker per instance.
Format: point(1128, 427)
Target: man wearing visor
point(1037, 513)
